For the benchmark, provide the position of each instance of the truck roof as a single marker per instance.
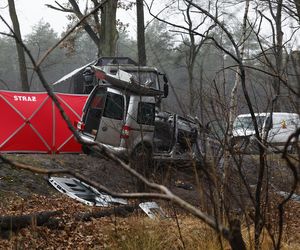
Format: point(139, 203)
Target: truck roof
point(125, 81)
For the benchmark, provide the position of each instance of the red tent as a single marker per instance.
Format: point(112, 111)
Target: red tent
point(32, 123)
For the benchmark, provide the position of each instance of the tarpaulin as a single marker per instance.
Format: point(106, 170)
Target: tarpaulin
point(30, 122)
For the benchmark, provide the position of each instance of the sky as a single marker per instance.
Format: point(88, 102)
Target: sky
point(30, 12)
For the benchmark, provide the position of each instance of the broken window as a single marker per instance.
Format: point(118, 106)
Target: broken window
point(114, 106)
point(146, 113)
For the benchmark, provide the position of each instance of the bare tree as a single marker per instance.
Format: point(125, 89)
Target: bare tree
point(142, 58)
point(297, 3)
point(20, 49)
point(102, 30)
point(192, 52)
point(108, 33)
point(260, 197)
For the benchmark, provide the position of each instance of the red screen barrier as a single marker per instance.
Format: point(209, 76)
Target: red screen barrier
point(30, 122)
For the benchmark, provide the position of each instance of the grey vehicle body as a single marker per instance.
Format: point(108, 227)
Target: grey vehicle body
point(122, 120)
point(111, 117)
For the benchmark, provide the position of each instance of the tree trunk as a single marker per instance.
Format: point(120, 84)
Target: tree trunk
point(108, 28)
point(236, 240)
point(278, 54)
point(107, 31)
point(191, 88)
point(297, 3)
point(234, 98)
point(20, 50)
point(86, 25)
point(232, 115)
point(233, 95)
point(142, 59)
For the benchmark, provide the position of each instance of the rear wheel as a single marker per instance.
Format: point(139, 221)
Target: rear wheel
point(141, 161)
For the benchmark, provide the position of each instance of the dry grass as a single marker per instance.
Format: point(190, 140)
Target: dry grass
point(143, 233)
point(135, 232)
point(139, 232)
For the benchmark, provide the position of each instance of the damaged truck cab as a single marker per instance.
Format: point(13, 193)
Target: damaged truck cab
point(122, 115)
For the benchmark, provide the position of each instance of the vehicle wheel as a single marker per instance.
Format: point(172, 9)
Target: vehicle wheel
point(141, 161)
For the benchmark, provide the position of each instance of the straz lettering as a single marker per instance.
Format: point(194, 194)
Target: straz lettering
point(25, 98)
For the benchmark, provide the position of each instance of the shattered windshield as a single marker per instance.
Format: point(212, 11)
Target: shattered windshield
point(246, 123)
point(149, 78)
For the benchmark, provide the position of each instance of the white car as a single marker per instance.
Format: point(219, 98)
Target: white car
point(279, 127)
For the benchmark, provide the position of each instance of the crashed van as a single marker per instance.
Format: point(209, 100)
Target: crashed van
point(122, 115)
point(276, 127)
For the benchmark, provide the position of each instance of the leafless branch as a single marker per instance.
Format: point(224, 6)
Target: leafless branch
point(59, 8)
point(98, 147)
point(70, 32)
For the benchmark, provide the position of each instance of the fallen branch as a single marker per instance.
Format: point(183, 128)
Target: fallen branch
point(16, 222)
point(13, 223)
point(121, 211)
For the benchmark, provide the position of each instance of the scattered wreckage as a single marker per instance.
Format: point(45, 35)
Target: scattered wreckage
point(88, 195)
point(83, 192)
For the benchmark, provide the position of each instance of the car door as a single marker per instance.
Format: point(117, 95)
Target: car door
point(93, 111)
point(112, 119)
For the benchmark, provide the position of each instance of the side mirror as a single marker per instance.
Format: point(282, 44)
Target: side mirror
point(166, 90)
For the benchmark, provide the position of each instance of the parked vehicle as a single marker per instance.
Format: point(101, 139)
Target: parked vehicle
point(276, 127)
point(123, 116)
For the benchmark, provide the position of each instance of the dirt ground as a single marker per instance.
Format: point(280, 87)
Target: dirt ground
point(180, 180)
point(22, 192)
point(24, 183)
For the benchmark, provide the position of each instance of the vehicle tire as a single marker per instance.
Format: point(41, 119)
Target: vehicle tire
point(141, 161)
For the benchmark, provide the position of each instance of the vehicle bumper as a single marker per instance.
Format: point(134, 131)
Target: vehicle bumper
point(118, 151)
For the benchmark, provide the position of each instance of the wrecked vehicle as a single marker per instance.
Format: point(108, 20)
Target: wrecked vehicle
point(83, 80)
point(123, 116)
